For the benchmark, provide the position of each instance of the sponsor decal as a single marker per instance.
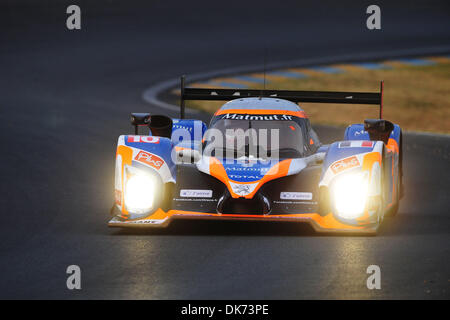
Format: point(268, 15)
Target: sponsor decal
point(242, 169)
point(145, 139)
point(257, 117)
point(195, 193)
point(242, 189)
point(344, 164)
point(296, 195)
point(367, 144)
point(237, 176)
point(140, 221)
point(356, 144)
point(357, 133)
point(296, 202)
point(178, 126)
point(195, 199)
point(150, 159)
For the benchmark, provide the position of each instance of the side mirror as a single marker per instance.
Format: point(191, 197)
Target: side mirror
point(161, 126)
point(378, 129)
point(139, 119)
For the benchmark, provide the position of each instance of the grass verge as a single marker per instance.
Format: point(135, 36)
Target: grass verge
point(415, 97)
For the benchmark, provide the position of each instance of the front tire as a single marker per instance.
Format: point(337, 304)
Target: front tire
point(394, 209)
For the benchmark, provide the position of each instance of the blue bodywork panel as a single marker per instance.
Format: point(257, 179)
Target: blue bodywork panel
point(357, 132)
point(187, 133)
point(195, 129)
point(339, 150)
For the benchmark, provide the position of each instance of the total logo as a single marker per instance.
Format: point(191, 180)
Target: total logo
point(238, 176)
point(150, 159)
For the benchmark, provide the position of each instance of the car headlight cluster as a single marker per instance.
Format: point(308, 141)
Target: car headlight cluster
point(350, 194)
point(141, 190)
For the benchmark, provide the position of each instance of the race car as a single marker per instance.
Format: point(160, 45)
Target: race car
point(259, 159)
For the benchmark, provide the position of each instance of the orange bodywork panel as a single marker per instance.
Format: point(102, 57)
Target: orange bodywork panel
point(325, 223)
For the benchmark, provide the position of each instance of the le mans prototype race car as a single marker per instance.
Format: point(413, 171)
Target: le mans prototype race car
point(177, 172)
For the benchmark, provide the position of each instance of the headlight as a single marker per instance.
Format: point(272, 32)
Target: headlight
point(350, 192)
point(140, 191)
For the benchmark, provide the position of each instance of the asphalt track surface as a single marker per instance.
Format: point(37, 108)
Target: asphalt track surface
point(65, 97)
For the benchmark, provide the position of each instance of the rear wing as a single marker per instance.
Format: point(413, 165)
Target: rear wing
point(217, 94)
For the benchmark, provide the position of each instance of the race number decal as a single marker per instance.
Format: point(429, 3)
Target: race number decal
point(145, 139)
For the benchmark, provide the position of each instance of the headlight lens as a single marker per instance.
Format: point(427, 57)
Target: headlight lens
point(350, 193)
point(140, 191)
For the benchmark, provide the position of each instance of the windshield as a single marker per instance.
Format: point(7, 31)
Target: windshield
point(256, 138)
